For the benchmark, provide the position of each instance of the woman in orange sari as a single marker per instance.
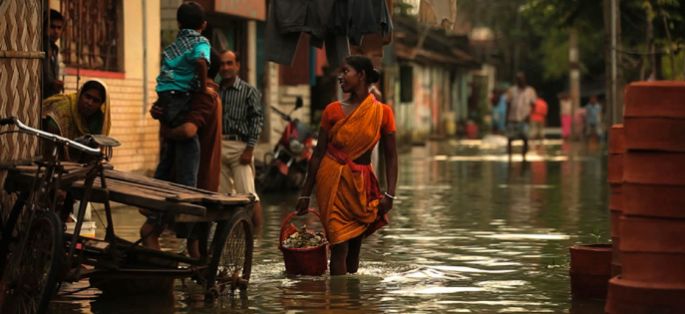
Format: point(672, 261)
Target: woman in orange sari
point(349, 198)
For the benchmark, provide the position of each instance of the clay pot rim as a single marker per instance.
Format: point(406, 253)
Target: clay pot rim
point(660, 117)
point(663, 83)
point(654, 219)
point(637, 284)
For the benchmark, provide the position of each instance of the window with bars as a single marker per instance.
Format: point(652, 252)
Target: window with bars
point(91, 37)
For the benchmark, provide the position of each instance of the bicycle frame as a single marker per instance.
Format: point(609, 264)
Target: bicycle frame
point(49, 180)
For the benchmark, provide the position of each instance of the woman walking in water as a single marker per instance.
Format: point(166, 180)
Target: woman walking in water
point(347, 191)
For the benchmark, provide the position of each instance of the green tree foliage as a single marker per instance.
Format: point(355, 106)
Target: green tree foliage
point(532, 35)
point(653, 37)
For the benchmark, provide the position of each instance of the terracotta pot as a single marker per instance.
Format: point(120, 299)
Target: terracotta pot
point(615, 168)
point(590, 270)
point(663, 134)
point(615, 221)
point(615, 256)
point(647, 234)
point(616, 269)
point(650, 267)
point(652, 249)
point(616, 197)
point(616, 139)
point(654, 168)
point(655, 99)
point(634, 297)
point(653, 200)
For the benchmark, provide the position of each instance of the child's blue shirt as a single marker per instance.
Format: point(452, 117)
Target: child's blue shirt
point(179, 67)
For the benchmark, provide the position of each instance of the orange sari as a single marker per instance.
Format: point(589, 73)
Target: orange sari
point(347, 193)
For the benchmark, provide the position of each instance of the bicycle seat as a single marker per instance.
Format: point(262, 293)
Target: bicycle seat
point(98, 140)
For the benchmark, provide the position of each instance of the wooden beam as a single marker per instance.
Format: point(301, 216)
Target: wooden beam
point(125, 194)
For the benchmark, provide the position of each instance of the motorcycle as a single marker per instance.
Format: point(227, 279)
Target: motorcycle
point(286, 165)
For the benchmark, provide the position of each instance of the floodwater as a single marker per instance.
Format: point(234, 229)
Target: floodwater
point(471, 232)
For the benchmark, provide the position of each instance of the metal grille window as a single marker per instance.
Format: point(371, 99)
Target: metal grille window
point(91, 34)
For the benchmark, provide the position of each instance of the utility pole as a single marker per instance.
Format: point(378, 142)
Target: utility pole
point(614, 86)
point(574, 76)
point(616, 112)
point(517, 44)
point(617, 74)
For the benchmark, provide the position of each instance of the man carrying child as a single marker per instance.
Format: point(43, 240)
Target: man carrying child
point(183, 73)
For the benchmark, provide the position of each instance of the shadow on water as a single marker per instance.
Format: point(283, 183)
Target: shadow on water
point(470, 232)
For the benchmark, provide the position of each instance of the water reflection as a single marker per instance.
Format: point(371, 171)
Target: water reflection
point(470, 232)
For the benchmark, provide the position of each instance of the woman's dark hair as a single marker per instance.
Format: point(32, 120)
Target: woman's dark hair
point(214, 62)
point(363, 64)
point(96, 86)
point(190, 15)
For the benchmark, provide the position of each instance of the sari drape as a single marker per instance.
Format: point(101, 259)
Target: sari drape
point(347, 193)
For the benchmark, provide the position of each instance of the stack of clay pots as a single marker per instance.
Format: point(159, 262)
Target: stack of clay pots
point(651, 228)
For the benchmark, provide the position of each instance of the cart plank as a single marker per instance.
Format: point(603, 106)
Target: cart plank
point(221, 199)
point(128, 195)
point(183, 193)
point(140, 191)
point(133, 178)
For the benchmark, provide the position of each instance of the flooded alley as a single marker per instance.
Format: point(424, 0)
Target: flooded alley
point(132, 133)
point(470, 233)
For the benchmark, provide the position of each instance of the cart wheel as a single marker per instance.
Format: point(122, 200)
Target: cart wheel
point(30, 277)
point(231, 261)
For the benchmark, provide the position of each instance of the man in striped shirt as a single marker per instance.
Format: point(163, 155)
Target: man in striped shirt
point(243, 119)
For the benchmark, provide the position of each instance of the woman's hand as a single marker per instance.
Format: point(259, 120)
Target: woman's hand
point(302, 206)
point(385, 205)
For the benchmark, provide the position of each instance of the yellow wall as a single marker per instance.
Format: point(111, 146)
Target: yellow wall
point(133, 38)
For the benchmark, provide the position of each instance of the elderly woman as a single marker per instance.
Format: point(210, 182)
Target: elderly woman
point(78, 114)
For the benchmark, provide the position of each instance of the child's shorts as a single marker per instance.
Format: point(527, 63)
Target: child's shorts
point(175, 105)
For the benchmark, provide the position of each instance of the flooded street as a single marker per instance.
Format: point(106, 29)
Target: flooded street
point(470, 233)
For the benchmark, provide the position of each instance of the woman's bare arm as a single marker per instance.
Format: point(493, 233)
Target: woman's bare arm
point(390, 151)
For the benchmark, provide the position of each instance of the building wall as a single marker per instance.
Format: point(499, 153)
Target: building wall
point(21, 60)
point(169, 25)
point(282, 97)
point(130, 102)
point(439, 102)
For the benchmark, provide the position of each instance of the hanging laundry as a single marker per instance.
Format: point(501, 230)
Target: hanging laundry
point(334, 24)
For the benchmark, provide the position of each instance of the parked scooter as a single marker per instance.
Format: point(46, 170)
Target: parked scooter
point(286, 165)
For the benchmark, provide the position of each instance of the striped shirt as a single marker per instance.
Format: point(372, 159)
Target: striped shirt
point(243, 114)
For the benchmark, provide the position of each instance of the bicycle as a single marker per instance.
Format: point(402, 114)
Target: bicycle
point(40, 254)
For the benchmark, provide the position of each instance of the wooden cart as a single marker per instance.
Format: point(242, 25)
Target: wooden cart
point(112, 262)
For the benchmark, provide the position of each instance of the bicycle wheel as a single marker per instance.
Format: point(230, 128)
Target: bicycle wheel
point(17, 219)
point(30, 278)
point(231, 261)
